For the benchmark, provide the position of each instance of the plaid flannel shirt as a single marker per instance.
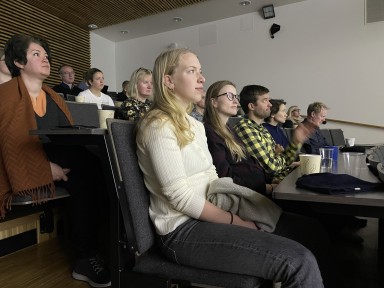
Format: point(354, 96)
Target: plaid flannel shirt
point(260, 145)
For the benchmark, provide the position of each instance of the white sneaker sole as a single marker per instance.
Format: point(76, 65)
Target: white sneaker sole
point(90, 282)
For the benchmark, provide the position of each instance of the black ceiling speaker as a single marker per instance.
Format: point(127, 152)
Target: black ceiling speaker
point(274, 29)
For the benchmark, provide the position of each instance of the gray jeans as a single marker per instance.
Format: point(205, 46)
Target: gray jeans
point(235, 249)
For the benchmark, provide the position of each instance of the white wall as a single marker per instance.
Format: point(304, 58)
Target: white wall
point(103, 57)
point(323, 52)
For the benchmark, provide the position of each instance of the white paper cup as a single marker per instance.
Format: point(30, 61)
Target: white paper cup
point(103, 116)
point(80, 98)
point(309, 163)
point(349, 142)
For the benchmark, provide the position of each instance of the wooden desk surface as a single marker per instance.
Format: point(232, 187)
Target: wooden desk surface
point(287, 190)
point(69, 131)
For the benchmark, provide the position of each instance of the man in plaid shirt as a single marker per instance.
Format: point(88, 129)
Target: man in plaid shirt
point(276, 161)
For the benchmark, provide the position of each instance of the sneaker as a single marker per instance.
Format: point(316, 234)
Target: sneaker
point(93, 271)
point(355, 223)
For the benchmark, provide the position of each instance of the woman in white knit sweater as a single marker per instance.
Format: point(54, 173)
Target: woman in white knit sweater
point(177, 167)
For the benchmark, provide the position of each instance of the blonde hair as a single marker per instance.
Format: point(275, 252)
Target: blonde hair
point(166, 107)
point(291, 109)
point(137, 76)
point(211, 116)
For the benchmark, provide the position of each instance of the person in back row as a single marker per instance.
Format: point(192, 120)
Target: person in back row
point(254, 100)
point(140, 92)
point(199, 108)
point(178, 171)
point(93, 94)
point(5, 75)
point(31, 166)
point(316, 114)
point(67, 86)
point(293, 118)
point(123, 95)
point(274, 121)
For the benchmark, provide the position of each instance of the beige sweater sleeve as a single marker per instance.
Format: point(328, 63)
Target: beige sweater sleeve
point(178, 178)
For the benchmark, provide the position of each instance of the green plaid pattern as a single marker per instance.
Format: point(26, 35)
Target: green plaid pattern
point(260, 145)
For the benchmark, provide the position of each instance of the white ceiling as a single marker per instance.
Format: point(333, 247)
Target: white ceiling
point(203, 12)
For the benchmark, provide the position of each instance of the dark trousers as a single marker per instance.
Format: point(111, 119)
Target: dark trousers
point(89, 208)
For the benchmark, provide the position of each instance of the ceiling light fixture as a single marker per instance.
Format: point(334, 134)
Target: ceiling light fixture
point(245, 3)
point(177, 19)
point(124, 32)
point(92, 26)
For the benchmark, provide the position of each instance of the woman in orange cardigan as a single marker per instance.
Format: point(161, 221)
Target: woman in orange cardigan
point(33, 166)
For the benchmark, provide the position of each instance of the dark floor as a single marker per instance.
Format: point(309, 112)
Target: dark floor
point(359, 263)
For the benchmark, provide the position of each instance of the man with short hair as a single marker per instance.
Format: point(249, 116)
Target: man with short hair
point(198, 109)
point(67, 86)
point(316, 114)
point(254, 100)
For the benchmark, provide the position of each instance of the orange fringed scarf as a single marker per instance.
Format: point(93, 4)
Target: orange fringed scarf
point(24, 167)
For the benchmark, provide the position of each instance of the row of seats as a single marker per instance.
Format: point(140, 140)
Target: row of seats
point(334, 137)
point(86, 114)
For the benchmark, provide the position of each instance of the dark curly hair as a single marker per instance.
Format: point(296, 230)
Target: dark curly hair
point(15, 50)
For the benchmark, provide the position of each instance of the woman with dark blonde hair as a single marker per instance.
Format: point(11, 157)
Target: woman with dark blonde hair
point(139, 94)
point(178, 171)
point(227, 150)
point(293, 117)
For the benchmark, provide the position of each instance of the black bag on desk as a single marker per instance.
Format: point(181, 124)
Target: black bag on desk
point(333, 184)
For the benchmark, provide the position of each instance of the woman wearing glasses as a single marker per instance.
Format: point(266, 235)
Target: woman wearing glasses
point(228, 153)
point(139, 94)
point(178, 171)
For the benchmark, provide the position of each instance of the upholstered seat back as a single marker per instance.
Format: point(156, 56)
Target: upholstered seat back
point(134, 198)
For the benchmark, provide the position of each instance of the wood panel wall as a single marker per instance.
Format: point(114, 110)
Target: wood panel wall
point(69, 44)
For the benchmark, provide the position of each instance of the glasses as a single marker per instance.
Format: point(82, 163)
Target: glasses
point(68, 73)
point(230, 96)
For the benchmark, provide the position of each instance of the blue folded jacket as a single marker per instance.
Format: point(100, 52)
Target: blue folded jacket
point(328, 183)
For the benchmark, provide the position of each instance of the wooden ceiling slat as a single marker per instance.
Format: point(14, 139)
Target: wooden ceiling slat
point(107, 12)
point(69, 43)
